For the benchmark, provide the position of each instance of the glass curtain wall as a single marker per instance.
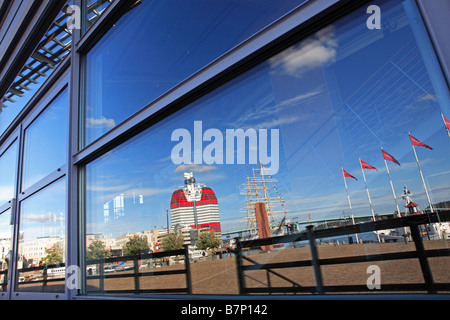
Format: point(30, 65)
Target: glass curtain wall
point(42, 206)
point(8, 173)
point(311, 133)
point(157, 45)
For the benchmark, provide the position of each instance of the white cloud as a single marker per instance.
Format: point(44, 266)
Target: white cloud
point(299, 98)
point(110, 188)
point(192, 167)
point(427, 97)
point(6, 193)
point(44, 218)
point(275, 123)
point(100, 123)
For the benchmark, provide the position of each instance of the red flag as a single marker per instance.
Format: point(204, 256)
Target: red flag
point(446, 122)
point(388, 157)
point(365, 165)
point(348, 175)
point(416, 142)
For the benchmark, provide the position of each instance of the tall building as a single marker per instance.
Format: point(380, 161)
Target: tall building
point(104, 102)
point(195, 206)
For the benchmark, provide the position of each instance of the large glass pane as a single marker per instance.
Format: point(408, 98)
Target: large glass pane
point(170, 41)
point(8, 170)
point(5, 247)
point(46, 142)
point(282, 135)
point(42, 240)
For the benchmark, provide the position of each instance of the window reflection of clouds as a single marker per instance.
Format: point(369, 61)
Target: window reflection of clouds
point(43, 214)
point(8, 161)
point(5, 227)
point(334, 96)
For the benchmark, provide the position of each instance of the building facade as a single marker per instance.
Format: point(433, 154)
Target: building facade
point(105, 103)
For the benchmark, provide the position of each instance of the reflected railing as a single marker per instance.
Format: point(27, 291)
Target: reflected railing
point(43, 278)
point(136, 267)
point(105, 275)
point(4, 280)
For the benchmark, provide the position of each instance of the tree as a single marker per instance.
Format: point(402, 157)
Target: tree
point(172, 242)
point(54, 254)
point(135, 245)
point(97, 250)
point(208, 240)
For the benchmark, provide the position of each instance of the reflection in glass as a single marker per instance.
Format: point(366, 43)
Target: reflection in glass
point(171, 41)
point(42, 240)
point(45, 142)
point(333, 98)
point(5, 247)
point(8, 164)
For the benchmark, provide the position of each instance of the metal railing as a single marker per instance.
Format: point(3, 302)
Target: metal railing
point(4, 283)
point(45, 278)
point(310, 235)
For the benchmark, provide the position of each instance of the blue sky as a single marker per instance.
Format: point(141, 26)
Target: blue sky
point(339, 95)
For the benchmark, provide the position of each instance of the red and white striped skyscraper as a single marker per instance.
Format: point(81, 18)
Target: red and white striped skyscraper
point(195, 206)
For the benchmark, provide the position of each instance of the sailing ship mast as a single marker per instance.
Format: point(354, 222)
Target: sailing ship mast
point(257, 190)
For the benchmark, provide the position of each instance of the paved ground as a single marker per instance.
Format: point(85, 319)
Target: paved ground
point(219, 276)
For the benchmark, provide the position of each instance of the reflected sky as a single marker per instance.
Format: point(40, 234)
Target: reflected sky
point(45, 141)
point(8, 164)
point(339, 95)
point(43, 214)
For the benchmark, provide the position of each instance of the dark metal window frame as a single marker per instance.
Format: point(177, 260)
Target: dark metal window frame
point(58, 85)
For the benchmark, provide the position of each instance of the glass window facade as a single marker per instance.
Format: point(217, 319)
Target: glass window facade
point(42, 244)
point(45, 147)
point(311, 133)
point(94, 9)
point(5, 247)
point(171, 41)
point(228, 148)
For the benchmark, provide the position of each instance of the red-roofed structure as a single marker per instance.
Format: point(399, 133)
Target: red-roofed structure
point(195, 206)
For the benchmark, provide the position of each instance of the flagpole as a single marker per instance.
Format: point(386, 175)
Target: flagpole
point(392, 186)
point(426, 191)
point(349, 203)
point(370, 200)
point(423, 180)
